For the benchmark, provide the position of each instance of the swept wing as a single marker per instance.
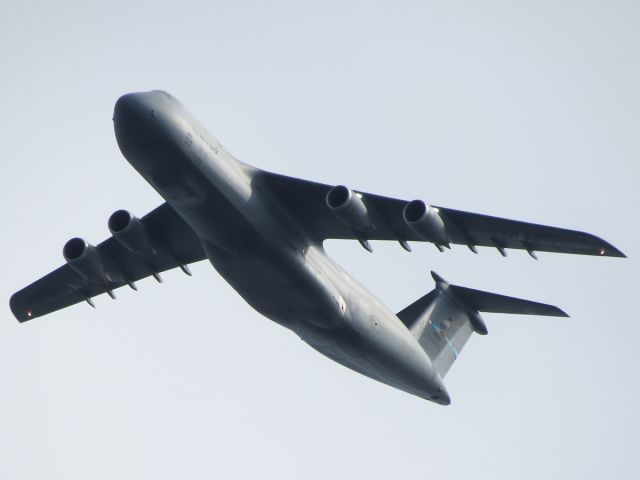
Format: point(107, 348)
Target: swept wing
point(306, 201)
point(172, 244)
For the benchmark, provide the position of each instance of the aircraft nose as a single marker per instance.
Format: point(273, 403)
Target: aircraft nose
point(133, 119)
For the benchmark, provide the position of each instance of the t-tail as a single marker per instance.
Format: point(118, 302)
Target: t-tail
point(443, 320)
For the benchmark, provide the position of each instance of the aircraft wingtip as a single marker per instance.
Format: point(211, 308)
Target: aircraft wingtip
point(605, 249)
point(611, 251)
point(17, 308)
point(619, 254)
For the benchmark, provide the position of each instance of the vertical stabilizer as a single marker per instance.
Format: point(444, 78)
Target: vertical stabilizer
point(444, 319)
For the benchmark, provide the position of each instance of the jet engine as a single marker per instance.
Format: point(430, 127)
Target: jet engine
point(84, 259)
point(349, 208)
point(426, 222)
point(129, 231)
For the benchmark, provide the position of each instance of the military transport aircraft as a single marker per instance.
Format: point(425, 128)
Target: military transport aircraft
point(264, 233)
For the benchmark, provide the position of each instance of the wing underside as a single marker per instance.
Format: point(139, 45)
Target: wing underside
point(306, 202)
point(175, 244)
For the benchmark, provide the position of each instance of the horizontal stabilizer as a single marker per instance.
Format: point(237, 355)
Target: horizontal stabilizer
point(494, 303)
point(444, 319)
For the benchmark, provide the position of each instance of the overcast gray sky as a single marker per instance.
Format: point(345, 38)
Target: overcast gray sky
point(527, 110)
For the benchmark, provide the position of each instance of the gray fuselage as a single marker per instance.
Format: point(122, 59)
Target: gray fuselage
point(261, 252)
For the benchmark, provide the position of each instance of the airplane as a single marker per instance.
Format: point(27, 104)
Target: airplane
point(264, 233)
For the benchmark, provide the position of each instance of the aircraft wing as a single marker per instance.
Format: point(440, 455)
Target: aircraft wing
point(306, 202)
point(173, 242)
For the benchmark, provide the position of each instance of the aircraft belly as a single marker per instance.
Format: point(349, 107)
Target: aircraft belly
point(302, 294)
point(391, 359)
point(264, 257)
point(252, 250)
point(279, 284)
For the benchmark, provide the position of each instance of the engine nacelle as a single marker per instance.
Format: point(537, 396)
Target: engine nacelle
point(84, 259)
point(129, 231)
point(426, 222)
point(349, 208)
